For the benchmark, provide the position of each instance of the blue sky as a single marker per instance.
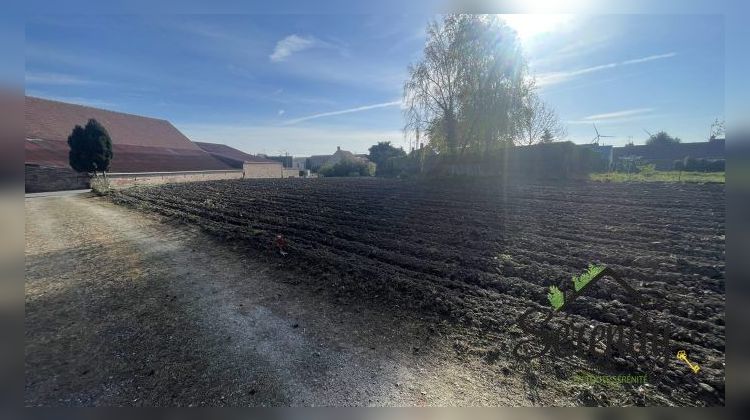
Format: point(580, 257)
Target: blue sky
point(304, 84)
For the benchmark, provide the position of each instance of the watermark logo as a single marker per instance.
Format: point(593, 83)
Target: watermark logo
point(552, 330)
point(558, 300)
point(682, 356)
point(589, 378)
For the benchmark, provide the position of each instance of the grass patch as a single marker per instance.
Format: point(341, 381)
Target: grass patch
point(100, 186)
point(661, 176)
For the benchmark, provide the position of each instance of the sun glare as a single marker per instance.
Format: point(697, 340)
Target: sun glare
point(529, 26)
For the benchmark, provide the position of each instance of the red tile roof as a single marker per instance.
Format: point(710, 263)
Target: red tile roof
point(230, 155)
point(139, 144)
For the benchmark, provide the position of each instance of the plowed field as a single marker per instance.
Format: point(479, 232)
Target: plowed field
point(474, 256)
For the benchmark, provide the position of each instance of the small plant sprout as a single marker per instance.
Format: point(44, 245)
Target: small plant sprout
point(579, 282)
point(555, 297)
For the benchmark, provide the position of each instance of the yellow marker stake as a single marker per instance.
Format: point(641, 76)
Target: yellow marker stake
point(682, 355)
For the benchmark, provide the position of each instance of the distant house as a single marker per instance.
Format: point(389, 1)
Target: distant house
point(252, 166)
point(299, 163)
point(285, 160)
point(664, 156)
point(314, 163)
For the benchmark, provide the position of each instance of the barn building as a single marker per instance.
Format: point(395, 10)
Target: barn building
point(145, 150)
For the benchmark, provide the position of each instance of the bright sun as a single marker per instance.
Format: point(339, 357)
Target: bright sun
point(530, 25)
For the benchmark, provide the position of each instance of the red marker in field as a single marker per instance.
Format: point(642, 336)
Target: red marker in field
point(280, 244)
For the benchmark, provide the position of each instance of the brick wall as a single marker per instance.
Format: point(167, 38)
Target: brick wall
point(262, 170)
point(290, 173)
point(124, 180)
point(44, 178)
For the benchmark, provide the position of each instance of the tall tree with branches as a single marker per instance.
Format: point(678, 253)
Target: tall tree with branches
point(537, 123)
point(432, 92)
point(465, 92)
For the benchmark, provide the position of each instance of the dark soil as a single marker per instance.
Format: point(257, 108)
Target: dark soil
point(476, 254)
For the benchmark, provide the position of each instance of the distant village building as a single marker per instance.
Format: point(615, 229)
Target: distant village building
point(145, 150)
point(314, 163)
point(252, 166)
point(299, 163)
point(285, 160)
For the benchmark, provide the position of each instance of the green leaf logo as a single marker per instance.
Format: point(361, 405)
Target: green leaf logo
point(580, 281)
point(555, 297)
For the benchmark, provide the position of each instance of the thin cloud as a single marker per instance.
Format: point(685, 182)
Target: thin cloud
point(546, 79)
point(343, 111)
point(619, 117)
point(557, 54)
point(57, 79)
point(294, 44)
point(618, 114)
point(650, 58)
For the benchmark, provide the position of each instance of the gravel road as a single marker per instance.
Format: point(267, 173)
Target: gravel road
point(123, 309)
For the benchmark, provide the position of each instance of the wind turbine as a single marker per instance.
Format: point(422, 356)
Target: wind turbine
point(598, 136)
point(648, 132)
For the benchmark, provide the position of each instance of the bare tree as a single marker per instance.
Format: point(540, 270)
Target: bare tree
point(538, 123)
point(464, 92)
point(431, 93)
point(717, 129)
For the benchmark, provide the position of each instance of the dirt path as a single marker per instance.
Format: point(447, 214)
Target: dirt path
point(124, 310)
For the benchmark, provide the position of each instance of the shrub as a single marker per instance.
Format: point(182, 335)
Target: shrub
point(690, 164)
point(662, 139)
point(348, 168)
point(100, 185)
point(383, 152)
point(402, 166)
point(647, 169)
point(563, 160)
point(628, 164)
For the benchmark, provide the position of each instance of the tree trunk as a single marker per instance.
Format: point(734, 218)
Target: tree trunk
point(451, 132)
